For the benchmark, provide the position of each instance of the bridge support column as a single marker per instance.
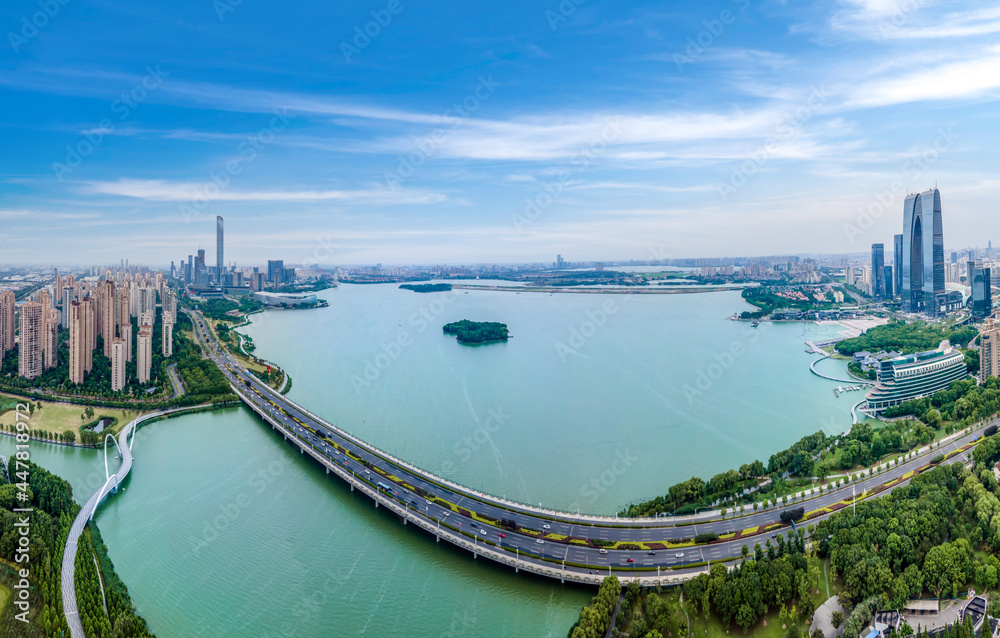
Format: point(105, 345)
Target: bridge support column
point(438, 537)
point(327, 470)
point(302, 450)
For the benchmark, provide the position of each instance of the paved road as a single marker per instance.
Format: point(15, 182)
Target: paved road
point(175, 381)
point(332, 445)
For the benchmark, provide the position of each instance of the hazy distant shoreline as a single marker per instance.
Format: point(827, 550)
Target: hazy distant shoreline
point(637, 290)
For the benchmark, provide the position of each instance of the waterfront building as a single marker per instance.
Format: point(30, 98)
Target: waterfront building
point(878, 265)
point(144, 353)
point(914, 376)
point(989, 348)
point(32, 341)
point(979, 279)
point(118, 364)
point(8, 304)
point(287, 299)
point(923, 253)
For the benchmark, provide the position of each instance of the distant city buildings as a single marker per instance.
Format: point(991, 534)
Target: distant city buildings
point(219, 241)
point(878, 267)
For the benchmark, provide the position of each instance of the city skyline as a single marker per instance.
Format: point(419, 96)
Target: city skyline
point(708, 125)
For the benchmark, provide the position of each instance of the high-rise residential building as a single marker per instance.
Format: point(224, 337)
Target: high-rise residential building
point(126, 335)
point(220, 267)
point(989, 348)
point(90, 331)
point(878, 265)
point(169, 303)
point(978, 278)
point(849, 276)
point(144, 353)
point(118, 364)
point(147, 318)
point(167, 336)
point(147, 300)
point(124, 308)
point(107, 309)
point(32, 341)
point(68, 297)
point(59, 288)
point(8, 304)
point(44, 299)
point(77, 341)
point(923, 253)
point(51, 338)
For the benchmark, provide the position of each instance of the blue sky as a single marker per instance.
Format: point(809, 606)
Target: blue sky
point(401, 131)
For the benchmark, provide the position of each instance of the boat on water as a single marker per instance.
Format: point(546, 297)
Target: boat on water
point(754, 323)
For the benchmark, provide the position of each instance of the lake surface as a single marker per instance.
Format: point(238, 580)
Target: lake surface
point(665, 381)
point(223, 530)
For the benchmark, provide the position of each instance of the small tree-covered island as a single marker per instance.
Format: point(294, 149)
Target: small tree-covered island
point(427, 287)
point(477, 332)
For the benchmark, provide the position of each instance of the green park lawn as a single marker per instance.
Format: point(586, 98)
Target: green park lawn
point(61, 417)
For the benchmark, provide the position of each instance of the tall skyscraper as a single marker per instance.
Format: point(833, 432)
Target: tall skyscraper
point(32, 343)
point(219, 268)
point(878, 265)
point(8, 304)
point(144, 353)
point(982, 293)
point(189, 273)
point(890, 281)
point(989, 349)
point(923, 253)
point(118, 366)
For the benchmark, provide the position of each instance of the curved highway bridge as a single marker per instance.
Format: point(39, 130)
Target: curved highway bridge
point(576, 547)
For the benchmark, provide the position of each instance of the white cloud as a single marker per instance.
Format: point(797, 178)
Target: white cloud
point(165, 191)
